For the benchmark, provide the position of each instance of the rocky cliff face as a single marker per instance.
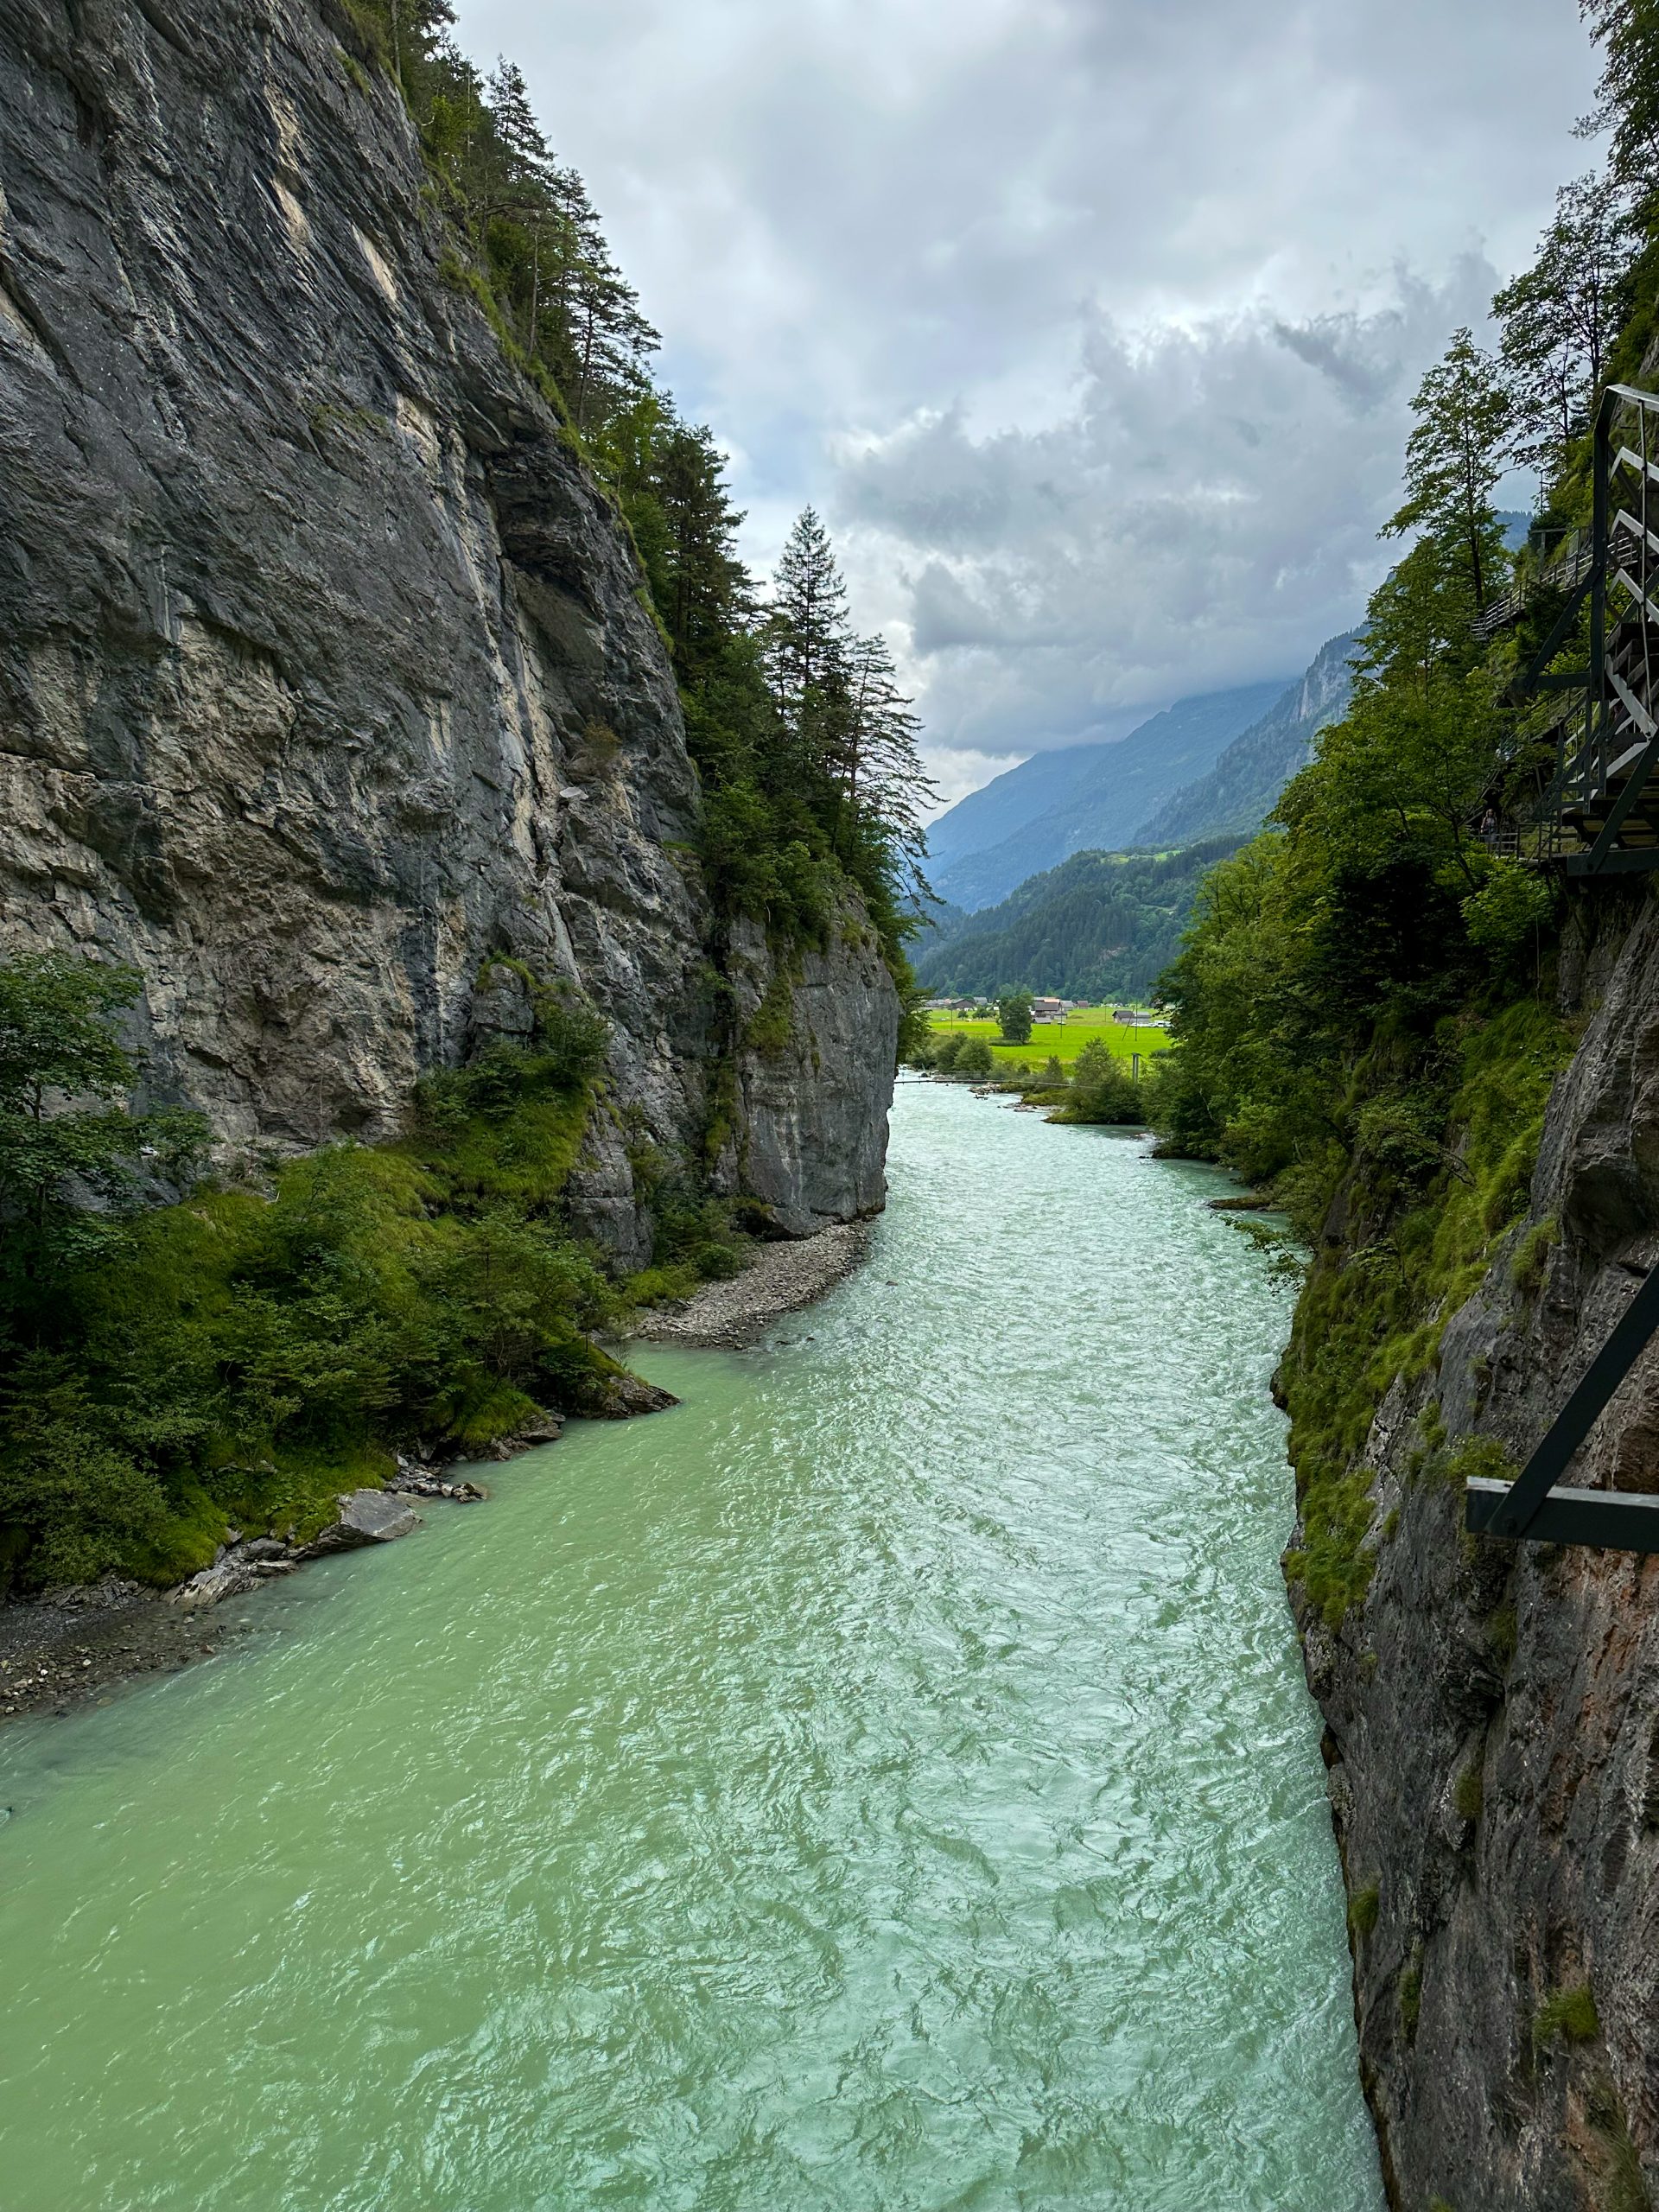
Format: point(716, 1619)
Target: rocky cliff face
point(325, 669)
point(1493, 1709)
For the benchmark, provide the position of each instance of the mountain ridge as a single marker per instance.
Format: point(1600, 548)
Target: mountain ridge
point(1114, 793)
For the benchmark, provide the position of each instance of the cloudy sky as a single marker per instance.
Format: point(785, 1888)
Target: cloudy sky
point(1088, 325)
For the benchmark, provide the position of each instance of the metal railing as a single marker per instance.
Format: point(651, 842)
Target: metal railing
point(1594, 819)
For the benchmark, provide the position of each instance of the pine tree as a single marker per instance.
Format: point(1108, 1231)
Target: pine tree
point(883, 777)
point(1454, 458)
point(515, 122)
point(808, 638)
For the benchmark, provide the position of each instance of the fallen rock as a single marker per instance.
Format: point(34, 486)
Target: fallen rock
point(431, 1485)
point(227, 1578)
point(367, 1516)
point(623, 1395)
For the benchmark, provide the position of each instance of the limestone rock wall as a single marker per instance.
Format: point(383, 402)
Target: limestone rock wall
point(325, 669)
point(1493, 1710)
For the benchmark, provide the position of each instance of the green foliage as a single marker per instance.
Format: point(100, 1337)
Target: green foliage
point(948, 1049)
point(73, 1162)
point(1532, 1255)
point(973, 1059)
point(1560, 319)
point(1454, 457)
point(1512, 903)
point(246, 1353)
point(771, 1025)
point(915, 1046)
point(1620, 2162)
point(1013, 1011)
point(1102, 1090)
point(1566, 2015)
point(1627, 96)
point(1364, 1907)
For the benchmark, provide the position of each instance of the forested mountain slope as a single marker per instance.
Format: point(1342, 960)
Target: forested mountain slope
point(1104, 808)
point(996, 809)
point(1101, 925)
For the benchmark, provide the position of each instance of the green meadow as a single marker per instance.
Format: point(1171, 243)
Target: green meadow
point(1063, 1040)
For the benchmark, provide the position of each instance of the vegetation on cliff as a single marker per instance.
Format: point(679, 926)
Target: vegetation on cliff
point(1365, 1002)
point(248, 1353)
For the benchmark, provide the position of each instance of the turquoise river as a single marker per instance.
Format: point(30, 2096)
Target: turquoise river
point(884, 1781)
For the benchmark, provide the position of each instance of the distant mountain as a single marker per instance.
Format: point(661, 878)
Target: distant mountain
point(996, 809)
point(1236, 794)
point(1102, 809)
point(1100, 926)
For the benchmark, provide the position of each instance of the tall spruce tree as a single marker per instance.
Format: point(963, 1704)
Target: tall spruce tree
point(808, 645)
point(885, 782)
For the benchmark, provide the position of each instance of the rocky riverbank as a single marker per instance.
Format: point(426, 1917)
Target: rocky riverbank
point(74, 1647)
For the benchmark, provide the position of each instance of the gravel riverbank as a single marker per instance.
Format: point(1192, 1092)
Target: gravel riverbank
point(783, 1278)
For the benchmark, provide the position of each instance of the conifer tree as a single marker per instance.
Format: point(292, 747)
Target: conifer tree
point(885, 782)
point(808, 634)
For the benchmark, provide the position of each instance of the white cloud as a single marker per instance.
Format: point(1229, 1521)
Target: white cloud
point(1066, 312)
point(1206, 515)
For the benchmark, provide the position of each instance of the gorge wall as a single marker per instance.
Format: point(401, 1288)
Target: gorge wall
point(1492, 1709)
point(326, 670)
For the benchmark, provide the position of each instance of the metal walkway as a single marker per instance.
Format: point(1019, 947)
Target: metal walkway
point(1599, 813)
point(1598, 817)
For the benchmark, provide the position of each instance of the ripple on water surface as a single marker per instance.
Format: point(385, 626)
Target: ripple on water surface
point(883, 1781)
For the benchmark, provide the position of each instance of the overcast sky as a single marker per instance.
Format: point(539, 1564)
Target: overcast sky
point(1088, 325)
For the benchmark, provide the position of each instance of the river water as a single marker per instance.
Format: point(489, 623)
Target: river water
point(885, 1780)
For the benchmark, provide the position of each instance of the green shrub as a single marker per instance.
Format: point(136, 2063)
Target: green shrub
point(976, 1060)
point(1532, 1256)
point(661, 1286)
point(1510, 904)
point(718, 1262)
point(1101, 1091)
point(246, 1353)
point(1364, 1907)
point(1567, 2015)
